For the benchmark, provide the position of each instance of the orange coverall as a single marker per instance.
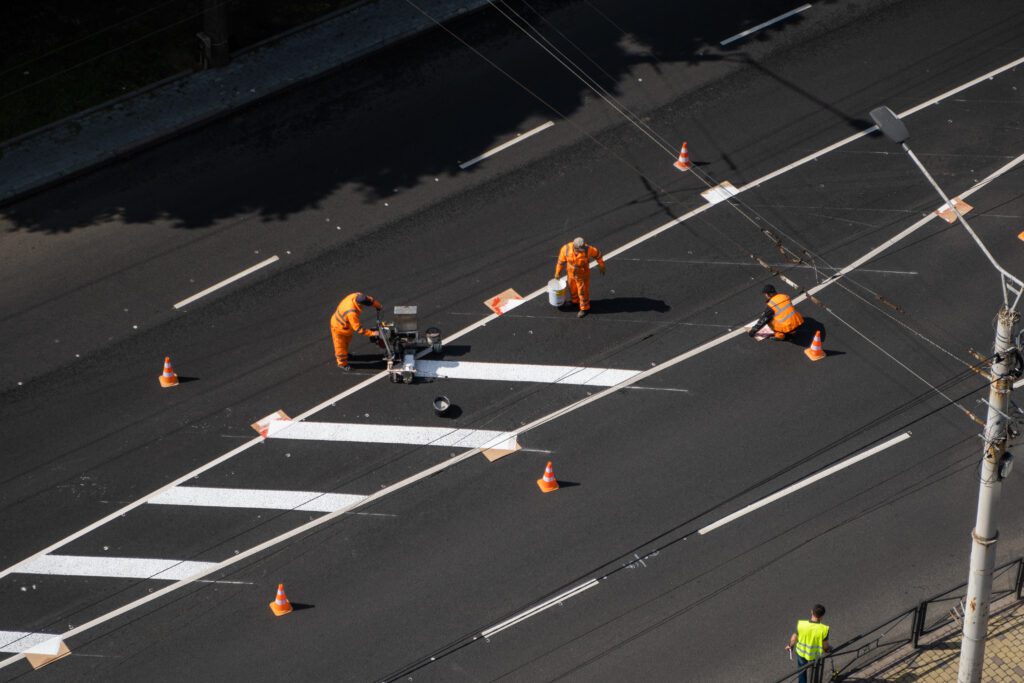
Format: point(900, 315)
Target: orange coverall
point(577, 265)
point(785, 318)
point(345, 323)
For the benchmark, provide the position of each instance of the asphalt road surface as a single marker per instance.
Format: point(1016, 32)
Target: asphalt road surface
point(150, 527)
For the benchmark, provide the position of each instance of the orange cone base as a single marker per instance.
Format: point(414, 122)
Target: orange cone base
point(547, 486)
point(814, 354)
point(168, 381)
point(682, 166)
point(280, 611)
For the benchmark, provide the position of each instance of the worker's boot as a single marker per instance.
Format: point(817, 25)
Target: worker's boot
point(581, 314)
point(345, 368)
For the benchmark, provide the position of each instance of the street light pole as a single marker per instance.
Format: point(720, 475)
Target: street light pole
point(985, 534)
point(995, 464)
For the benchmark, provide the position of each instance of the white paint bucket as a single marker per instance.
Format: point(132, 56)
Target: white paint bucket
point(556, 292)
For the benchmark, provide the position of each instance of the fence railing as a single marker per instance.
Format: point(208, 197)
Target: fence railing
point(907, 628)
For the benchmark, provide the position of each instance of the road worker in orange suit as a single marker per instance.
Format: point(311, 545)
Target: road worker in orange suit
point(575, 257)
point(345, 323)
point(780, 315)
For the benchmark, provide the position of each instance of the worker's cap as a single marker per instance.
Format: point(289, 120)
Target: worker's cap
point(364, 299)
point(768, 289)
point(578, 243)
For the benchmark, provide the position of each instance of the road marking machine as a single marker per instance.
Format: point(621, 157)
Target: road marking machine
point(402, 340)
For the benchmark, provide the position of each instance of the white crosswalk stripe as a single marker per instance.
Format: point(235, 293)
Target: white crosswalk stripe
point(112, 567)
point(22, 641)
point(371, 433)
point(303, 501)
point(516, 372)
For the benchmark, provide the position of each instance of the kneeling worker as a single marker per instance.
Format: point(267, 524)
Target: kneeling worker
point(780, 315)
point(345, 323)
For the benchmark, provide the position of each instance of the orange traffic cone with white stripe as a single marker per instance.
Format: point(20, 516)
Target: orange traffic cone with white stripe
point(683, 162)
point(548, 483)
point(168, 379)
point(815, 352)
point(280, 606)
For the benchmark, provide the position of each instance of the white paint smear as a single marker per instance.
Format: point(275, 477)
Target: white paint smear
point(369, 433)
point(112, 567)
point(261, 499)
point(515, 372)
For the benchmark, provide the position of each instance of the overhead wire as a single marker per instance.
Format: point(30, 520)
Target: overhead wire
point(736, 203)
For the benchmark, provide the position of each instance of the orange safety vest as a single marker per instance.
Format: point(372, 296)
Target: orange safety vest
point(346, 316)
point(787, 318)
point(578, 262)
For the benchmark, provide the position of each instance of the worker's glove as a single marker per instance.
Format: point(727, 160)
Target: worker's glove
point(601, 268)
point(378, 305)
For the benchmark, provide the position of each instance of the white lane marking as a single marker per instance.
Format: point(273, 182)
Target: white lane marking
point(707, 262)
point(519, 138)
point(537, 609)
point(755, 29)
point(1018, 384)
point(113, 567)
point(375, 433)
point(20, 641)
point(262, 499)
point(464, 331)
point(516, 372)
point(853, 460)
point(225, 283)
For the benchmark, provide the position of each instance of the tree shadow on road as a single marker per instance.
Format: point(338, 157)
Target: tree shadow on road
point(353, 130)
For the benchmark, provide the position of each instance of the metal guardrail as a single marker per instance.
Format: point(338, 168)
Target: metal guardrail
point(906, 628)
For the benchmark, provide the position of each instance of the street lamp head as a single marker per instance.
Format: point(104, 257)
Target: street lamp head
point(890, 124)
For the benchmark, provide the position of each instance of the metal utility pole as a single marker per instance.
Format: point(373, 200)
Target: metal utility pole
point(996, 462)
point(994, 467)
point(213, 41)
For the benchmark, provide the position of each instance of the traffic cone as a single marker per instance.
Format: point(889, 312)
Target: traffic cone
point(168, 379)
point(280, 606)
point(548, 483)
point(683, 162)
point(815, 352)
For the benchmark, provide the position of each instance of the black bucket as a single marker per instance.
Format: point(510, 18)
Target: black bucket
point(441, 405)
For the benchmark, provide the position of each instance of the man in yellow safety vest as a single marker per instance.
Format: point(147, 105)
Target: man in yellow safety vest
point(780, 314)
point(810, 640)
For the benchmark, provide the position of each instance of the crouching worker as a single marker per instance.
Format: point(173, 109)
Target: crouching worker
point(345, 323)
point(780, 315)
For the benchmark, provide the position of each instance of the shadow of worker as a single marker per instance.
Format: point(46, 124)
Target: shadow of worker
point(804, 335)
point(628, 304)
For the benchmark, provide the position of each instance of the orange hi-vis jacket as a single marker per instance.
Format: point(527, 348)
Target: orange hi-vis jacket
point(786, 318)
point(346, 317)
point(577, 263)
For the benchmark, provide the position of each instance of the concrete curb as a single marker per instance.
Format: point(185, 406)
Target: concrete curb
point(117, 129)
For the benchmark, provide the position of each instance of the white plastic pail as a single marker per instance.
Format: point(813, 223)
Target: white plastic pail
point(556, 292)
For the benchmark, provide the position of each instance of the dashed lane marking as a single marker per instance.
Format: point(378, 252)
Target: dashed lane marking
point(755, 29)
point(260, 499)
point(225, 283)
point(494, 150)
point(853, 460)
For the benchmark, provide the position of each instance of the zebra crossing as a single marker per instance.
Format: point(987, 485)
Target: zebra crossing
point(294, 433)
